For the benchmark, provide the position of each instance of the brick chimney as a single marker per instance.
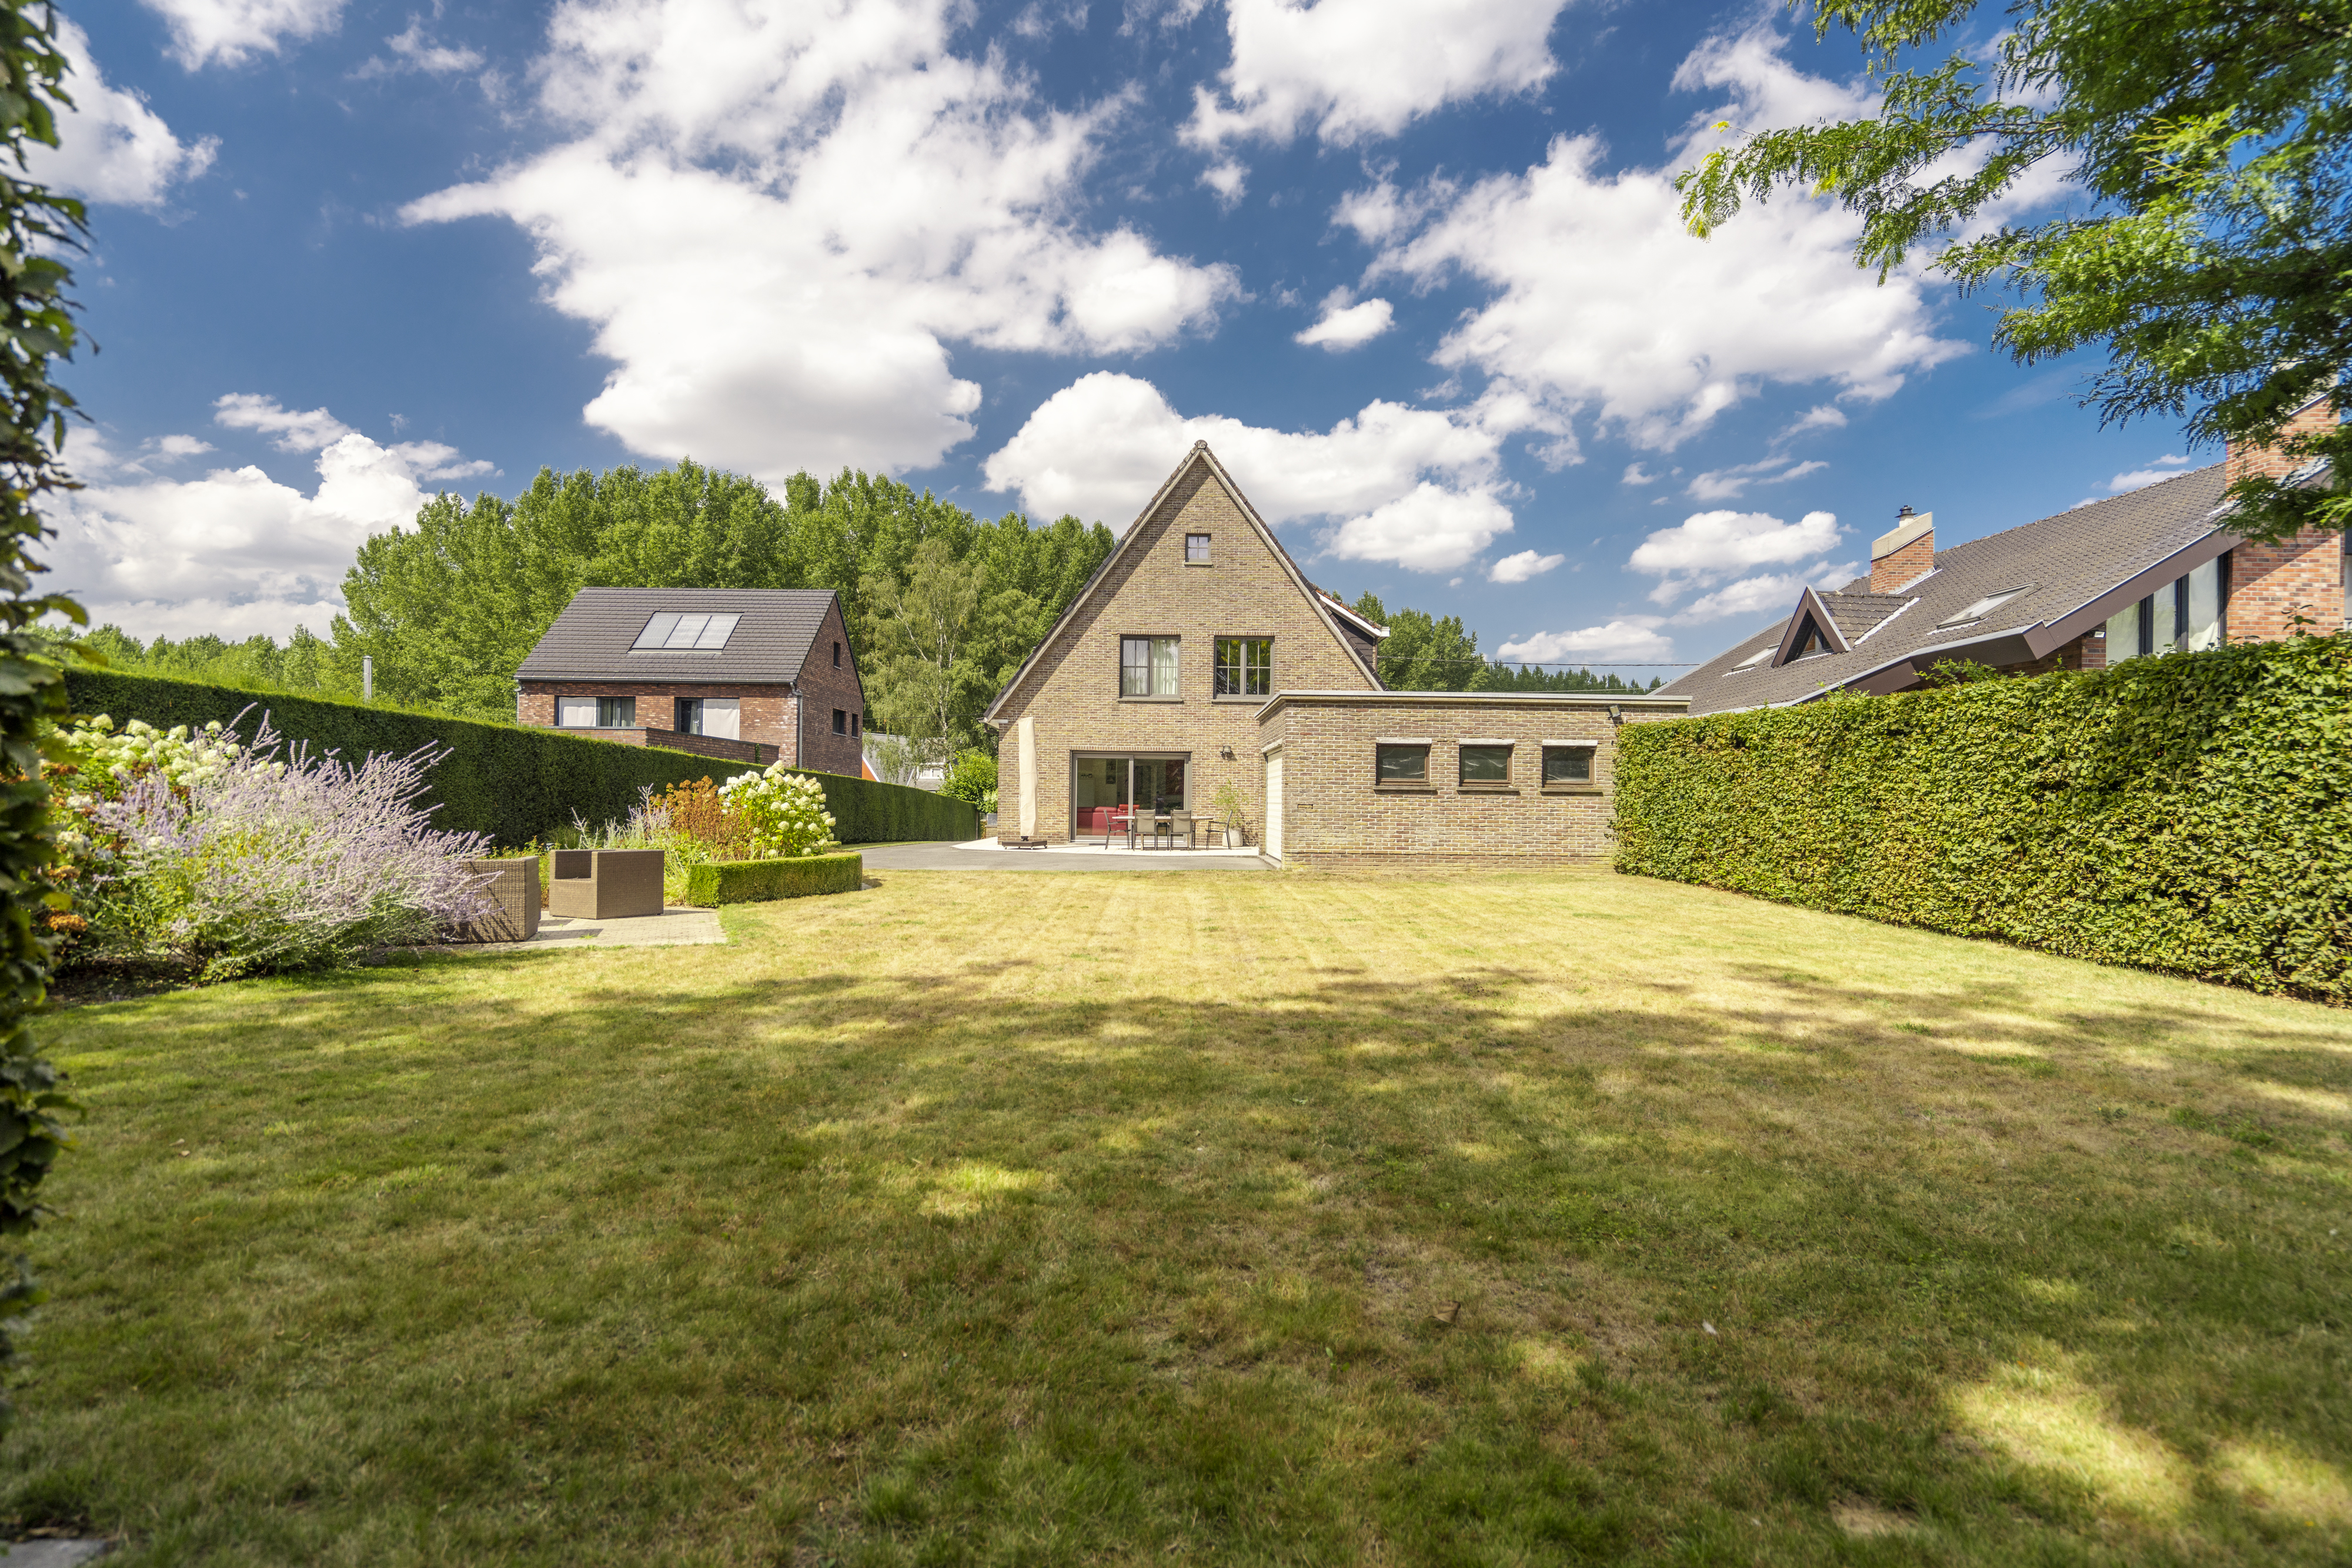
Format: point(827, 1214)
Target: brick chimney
point(2269, 462)
point(1904, 555)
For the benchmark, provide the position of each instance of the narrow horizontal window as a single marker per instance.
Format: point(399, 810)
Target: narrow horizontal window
point(1485, 765)
point(1403, 764)
point(1568, 765)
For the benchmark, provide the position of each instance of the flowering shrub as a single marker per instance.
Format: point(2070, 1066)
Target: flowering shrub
point(782, 813)
point(106, 761)
point(199, 851)
point(699, 815)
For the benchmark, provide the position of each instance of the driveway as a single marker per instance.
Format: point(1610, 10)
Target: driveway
point(944, 856)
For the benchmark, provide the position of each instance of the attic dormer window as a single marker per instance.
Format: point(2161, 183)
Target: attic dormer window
point(673, 630)
point(1981, 609)
point(1810, 644)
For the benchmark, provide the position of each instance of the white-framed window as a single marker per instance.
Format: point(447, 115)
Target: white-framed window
point(1147, 666)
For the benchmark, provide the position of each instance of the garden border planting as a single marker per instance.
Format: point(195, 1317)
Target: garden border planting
point(757, 882)
point(514, 782)
point(2191, 813)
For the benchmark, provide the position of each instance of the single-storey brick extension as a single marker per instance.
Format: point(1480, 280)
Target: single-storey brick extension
point(1200, 657)
point(744, 674)
point(2153, 572)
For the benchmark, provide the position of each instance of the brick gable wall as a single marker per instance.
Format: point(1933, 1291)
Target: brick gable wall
point(1071, 693)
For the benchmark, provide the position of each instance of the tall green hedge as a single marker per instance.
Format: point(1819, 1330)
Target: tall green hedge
point(2189, 813)
point(512, 781)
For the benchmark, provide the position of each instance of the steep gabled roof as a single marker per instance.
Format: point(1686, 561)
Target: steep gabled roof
point(2063, 576)
point(1327, 609)
point(595, 638)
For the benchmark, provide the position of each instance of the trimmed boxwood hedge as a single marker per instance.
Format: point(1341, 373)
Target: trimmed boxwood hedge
point(514, 782)
point(2191, 813)
point(715, 882)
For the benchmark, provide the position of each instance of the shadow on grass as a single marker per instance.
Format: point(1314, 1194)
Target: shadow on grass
point(962, 1272)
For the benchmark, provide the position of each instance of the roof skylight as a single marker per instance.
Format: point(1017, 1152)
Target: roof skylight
point(675, 630)
point(1756, 658)
point(1981, 608)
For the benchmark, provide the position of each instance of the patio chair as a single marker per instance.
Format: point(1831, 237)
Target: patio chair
point(1180, 831)
point(1118, 820)
point(605, 885)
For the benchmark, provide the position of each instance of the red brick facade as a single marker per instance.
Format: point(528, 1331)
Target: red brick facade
point(2271, 585)
point(1898, 568)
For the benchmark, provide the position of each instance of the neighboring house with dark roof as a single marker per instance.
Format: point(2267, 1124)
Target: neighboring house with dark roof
point(1200, 665)
point(747, 675)
point(2152, 571)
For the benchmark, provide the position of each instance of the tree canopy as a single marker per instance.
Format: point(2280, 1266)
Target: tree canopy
point(1425, 653)
point(2206, 240)
point(449, 607)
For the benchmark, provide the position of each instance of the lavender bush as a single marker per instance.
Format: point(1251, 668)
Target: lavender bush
point(262, 863)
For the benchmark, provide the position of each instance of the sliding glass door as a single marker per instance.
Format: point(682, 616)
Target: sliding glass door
point(1102, 788)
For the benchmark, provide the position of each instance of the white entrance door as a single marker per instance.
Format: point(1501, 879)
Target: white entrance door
point(1274, 807)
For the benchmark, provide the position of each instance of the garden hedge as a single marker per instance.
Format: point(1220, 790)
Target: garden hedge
point(715, 882)
point(514, 782)
point(2191, 813)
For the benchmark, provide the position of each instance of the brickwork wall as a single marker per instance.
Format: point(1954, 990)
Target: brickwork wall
point(766, 711)
point(2314, 418)
point(825, 688)
point(1072, 692)
point(1335, 813)
point(1914, 560)
point(2270, 583)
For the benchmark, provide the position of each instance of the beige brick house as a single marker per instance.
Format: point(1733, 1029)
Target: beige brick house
point(744, 674)
point(1200, 674)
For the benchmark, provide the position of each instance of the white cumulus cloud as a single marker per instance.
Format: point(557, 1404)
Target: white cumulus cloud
point(1709, 547)
point(412, 50)
point(1602, 302)
point(1767, 593)
point(1344, 326)
point(235, 551)
point(230, 31)
point(111, 147)
point(1351, 69)
point(778, 218)
point(2170, 467)
point(1417, 487)
point(1522, 567)
point(1629, 639)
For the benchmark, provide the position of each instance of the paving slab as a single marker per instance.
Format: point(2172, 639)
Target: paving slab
point(676, 926)
point(989, 855)
point(52, 1553)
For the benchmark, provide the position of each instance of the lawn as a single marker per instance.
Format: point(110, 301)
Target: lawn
point(1490, 1218)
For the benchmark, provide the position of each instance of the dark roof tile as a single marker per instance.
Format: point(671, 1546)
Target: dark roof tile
point(592, 640)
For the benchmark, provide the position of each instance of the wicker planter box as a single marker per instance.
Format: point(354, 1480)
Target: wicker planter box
point(605, 885)
point(513, 884)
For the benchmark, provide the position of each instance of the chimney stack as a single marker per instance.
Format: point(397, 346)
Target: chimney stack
point(2312, 419)
point(1905, 555)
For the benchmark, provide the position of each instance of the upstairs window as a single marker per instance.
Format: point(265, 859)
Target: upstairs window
point(672, 631)
point(1244, 666)
point(836, 655)
point(1810, 644)
point(1196, 550)
point(841, 721)
point(1147, 666)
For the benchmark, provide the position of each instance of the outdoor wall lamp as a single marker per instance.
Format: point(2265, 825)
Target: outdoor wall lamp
point(1225, 752)
point(1616, 714)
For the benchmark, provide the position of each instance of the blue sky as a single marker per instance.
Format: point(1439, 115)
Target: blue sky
point(1409, 266)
